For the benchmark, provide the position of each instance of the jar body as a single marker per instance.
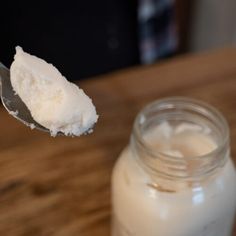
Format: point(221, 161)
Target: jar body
point(140, 208)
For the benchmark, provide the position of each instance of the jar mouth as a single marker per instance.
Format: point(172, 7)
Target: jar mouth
point(176, 105)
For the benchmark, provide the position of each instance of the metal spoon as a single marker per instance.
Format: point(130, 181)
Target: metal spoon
point(14, 105)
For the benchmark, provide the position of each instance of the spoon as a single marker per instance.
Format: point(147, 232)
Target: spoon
point(13, 103)
point(16, 107)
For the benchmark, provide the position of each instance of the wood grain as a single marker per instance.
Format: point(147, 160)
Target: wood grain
point(61, 186)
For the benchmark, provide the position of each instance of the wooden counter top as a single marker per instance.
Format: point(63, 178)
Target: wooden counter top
point(61, 186)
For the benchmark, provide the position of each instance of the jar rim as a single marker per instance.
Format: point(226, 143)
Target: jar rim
point(202, 108)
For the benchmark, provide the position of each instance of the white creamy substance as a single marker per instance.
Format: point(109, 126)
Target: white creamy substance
point(54, 102)
point(183, 140)
point(141, 208)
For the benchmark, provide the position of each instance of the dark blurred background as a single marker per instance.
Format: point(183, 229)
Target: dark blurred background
point(87, 38)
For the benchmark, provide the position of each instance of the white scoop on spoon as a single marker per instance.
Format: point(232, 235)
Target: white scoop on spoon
point(40, 97)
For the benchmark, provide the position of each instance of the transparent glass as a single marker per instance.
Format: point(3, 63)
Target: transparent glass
point(155, 193)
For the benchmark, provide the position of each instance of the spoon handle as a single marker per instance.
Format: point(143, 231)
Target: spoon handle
point(4, 73)
point(1, 67)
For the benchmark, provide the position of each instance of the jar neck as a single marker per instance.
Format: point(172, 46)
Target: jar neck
point(174, 110)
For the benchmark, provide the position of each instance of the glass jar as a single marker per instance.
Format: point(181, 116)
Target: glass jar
point(176, 177)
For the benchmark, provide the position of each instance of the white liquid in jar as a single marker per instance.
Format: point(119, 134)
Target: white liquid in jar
point(173, 208)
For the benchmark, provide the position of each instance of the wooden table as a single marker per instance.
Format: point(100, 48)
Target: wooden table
point(61, 186)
